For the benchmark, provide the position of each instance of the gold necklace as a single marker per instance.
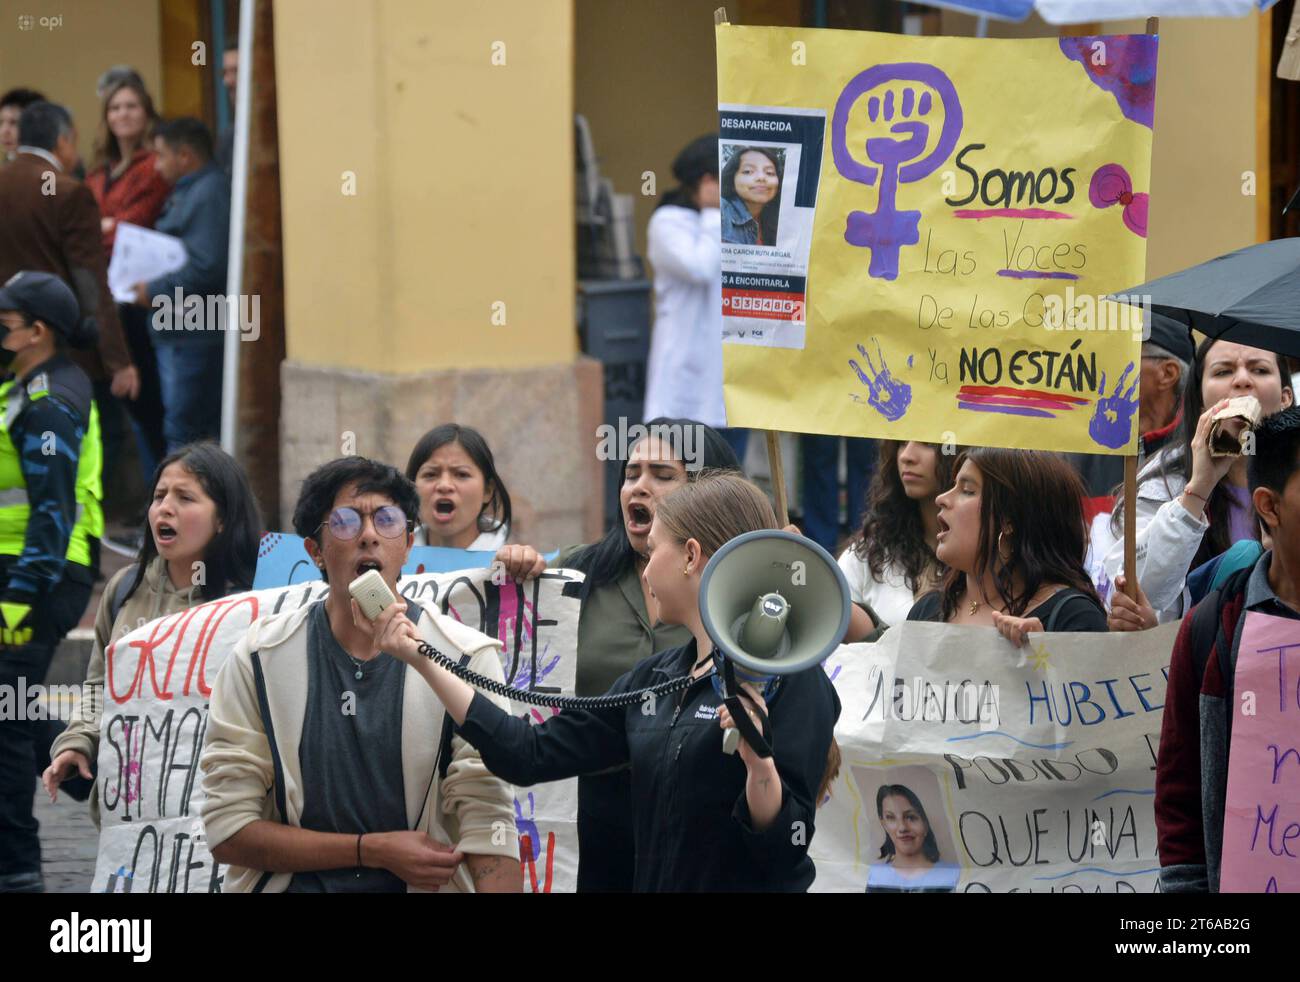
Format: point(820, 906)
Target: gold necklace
point(975, 605)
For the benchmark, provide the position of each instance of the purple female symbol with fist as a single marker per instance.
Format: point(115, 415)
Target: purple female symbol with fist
point(902, 157)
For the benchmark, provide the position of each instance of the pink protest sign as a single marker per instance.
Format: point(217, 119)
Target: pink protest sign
point(1261, 827)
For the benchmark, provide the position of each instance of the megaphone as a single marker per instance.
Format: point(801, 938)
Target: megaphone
point(773, 603)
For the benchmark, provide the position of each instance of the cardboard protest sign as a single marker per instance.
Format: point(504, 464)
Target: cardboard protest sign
point(282, 561)
point(917, 232)
point(157, 683)
point(1261, 825)
point(980, 767)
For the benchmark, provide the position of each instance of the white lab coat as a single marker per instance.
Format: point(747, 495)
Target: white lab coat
point(684, 377)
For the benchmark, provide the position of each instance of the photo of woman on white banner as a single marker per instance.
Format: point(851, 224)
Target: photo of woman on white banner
point(915, 845)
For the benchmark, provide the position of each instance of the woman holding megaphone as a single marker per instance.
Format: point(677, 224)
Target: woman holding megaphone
point(703, 820)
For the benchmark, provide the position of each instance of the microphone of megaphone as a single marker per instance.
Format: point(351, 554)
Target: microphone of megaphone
point(773, 603)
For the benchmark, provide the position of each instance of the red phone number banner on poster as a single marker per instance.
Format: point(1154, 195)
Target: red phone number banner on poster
point(756, 303)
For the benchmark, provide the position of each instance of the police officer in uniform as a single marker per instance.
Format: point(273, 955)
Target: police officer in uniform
point(50, 524)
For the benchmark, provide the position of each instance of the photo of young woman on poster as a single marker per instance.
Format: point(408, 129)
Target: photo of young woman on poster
point(751, 194)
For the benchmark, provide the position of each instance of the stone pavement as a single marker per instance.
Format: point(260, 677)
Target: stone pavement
point(68, 842)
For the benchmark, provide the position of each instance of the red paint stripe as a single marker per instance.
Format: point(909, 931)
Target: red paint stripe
point(981, 213)
point(526, 852)
point(550, 860)
point(1003, 390)
point(1004, 401)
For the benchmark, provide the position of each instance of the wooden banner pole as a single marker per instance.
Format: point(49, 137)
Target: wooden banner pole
point(1130, 527)
point(778, 477)
point(1130, 472)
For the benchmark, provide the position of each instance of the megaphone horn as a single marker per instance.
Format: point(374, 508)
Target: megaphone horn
point(774, 603)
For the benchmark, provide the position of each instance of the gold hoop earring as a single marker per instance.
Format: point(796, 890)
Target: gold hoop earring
point(1000, 535)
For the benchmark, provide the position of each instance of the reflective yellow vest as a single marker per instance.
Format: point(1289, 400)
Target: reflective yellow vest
point(14, 506)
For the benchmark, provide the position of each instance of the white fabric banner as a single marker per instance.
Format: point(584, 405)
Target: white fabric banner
point(157, 684)
point(972, 765)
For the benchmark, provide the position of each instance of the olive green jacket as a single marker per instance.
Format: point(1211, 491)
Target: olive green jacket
point(615, 632)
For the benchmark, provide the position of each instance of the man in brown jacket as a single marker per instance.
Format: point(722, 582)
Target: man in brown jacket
point(51, 225)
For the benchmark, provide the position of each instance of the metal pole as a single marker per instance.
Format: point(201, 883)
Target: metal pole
point(238, 207)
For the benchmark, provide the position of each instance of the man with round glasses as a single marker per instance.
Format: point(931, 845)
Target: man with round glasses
point(325, 768)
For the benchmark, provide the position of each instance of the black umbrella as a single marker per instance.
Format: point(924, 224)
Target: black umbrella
point(1251, 296)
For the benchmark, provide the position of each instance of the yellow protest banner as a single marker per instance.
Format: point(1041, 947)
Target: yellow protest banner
point(917, 232)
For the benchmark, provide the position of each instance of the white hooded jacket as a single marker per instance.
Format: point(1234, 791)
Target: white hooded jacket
point(1168, 536)
point(255, 718)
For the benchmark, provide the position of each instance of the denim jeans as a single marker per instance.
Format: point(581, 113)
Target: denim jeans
point(146, 410)
point(821, 486)
point(190, 375)
point(738, 439)
point(24, 667)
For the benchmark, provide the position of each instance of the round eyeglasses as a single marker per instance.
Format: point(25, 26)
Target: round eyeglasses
point(345, 523)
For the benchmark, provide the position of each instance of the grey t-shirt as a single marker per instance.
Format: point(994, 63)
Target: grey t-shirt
point(350, 754)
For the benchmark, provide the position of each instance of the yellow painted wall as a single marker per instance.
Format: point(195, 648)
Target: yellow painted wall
point(646, 79)
point(1207, 113)
point(464, 182)
point(64, 60)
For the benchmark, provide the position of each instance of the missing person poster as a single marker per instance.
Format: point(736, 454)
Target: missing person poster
point(770, 163)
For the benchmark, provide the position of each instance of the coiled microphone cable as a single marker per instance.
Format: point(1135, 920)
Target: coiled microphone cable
point(547, 699)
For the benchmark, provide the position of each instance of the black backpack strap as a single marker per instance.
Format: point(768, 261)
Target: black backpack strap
point(1233, 586)
point(1207, 631)
point(1065, 597)
point(118, 600)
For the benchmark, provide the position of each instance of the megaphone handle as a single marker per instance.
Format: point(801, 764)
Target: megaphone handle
point(758, 742)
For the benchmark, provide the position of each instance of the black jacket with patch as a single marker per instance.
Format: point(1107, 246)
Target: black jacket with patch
point(691, 819)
